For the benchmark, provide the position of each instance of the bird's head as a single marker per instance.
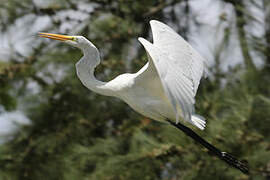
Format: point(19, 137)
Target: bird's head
point(77, 41)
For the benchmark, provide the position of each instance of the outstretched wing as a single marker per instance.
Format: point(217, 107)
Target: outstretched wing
point(178, 65)
point(178, 88)
point(180, 53)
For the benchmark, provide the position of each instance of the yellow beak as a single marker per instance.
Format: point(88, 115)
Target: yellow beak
point(56, 36)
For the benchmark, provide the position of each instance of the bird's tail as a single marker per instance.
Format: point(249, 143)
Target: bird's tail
point(198, 121)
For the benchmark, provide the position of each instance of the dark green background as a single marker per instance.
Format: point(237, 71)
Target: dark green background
point(77, 134)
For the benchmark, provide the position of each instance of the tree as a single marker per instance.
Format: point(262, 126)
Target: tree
point(76, 134)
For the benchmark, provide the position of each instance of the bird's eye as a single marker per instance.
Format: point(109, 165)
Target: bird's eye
point(74, 39)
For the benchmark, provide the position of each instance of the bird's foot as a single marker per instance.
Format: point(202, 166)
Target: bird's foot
point(233, 161)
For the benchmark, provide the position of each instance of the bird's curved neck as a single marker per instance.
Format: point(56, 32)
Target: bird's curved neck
point(85, 68)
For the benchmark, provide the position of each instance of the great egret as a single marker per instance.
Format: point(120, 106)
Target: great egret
point(163, 90)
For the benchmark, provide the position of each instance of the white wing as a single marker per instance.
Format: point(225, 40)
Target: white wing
point(180, 53)
point(177, 87)
point(179, 72)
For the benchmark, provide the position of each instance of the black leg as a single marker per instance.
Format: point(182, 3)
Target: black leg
point(229, 159)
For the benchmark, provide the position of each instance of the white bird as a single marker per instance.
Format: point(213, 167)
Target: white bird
point(163, 89)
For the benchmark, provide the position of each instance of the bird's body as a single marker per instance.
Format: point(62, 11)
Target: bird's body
point(164, 89)
point(146, 97)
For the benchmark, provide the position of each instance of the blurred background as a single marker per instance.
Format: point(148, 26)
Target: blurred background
point(52, 127)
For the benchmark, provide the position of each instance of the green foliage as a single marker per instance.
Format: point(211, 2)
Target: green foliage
point(76, 134)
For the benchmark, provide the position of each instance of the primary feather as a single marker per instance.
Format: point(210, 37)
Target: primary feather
point(179, 69)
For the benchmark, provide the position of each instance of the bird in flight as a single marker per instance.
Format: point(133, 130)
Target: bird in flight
point(163, 89)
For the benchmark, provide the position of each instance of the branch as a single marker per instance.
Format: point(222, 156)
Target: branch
point(240, 23)
point(158, 8)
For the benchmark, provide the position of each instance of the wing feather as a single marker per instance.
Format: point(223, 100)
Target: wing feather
point(178, 88)
point(181, 54)
point(178, 66)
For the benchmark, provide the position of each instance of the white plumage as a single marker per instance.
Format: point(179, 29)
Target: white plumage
point(171, 77)
point(164, 88)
